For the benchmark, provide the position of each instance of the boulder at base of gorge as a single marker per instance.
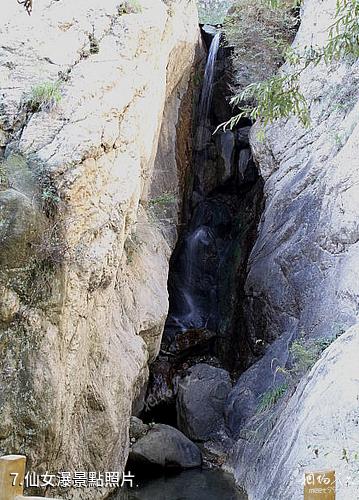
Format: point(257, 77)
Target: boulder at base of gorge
point(200, 402)
point(165, 446)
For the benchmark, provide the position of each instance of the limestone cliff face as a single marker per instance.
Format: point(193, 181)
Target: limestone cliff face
point(303, 281)
point(83, 254)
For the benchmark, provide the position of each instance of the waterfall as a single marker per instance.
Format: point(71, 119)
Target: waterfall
point(207, 89)
point(195, 247)
point(193, 284)
point(208, 266)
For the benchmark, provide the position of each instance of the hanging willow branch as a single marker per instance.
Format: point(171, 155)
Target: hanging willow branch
point(27, 4)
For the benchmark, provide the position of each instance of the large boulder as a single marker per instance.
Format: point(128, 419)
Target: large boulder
point(165, 446)
point(265, 375)
point(201, 400)
point(137, 429)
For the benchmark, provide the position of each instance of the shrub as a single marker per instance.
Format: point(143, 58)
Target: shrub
point(279, 96)
point(213, 11)
point(344, 33)
point(275, 98)
point(43, 97)
point(259, 34)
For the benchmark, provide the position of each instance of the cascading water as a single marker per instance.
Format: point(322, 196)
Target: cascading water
point(200, 239)
point(193, 287)
point(207, 89)
point(206, 282)
point(210, 256)
point(195, 244)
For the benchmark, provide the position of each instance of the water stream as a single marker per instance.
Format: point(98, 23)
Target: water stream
point(209, 261)
point(207, 90)
point(191, 308)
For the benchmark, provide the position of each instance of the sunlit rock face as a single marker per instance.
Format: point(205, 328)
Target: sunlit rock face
point(303, 281)
point(84, 260)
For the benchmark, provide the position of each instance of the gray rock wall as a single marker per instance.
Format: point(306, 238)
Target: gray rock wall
point(303, 282)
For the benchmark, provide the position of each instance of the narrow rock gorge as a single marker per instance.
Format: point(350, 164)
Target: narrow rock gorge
point(208, 266)
point(177, 299)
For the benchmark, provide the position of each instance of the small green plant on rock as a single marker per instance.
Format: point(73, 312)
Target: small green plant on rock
point(94, 44)
point(271, 397)
point(129, 7)
point(161, 208)
point(163, 200)
point(43, 97)
point(50, 200)
point(306, 352)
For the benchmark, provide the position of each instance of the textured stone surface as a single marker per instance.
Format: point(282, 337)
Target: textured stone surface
point(137, 428)
point(302, 269)
point(317, 430)
point(246, 394)
point(165, 446)
point(201, 399)
point(303, 279)
point(20, 227)
point(75, 354)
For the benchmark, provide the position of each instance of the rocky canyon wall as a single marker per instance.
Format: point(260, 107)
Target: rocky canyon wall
point(96, 103)
point(303, 284)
